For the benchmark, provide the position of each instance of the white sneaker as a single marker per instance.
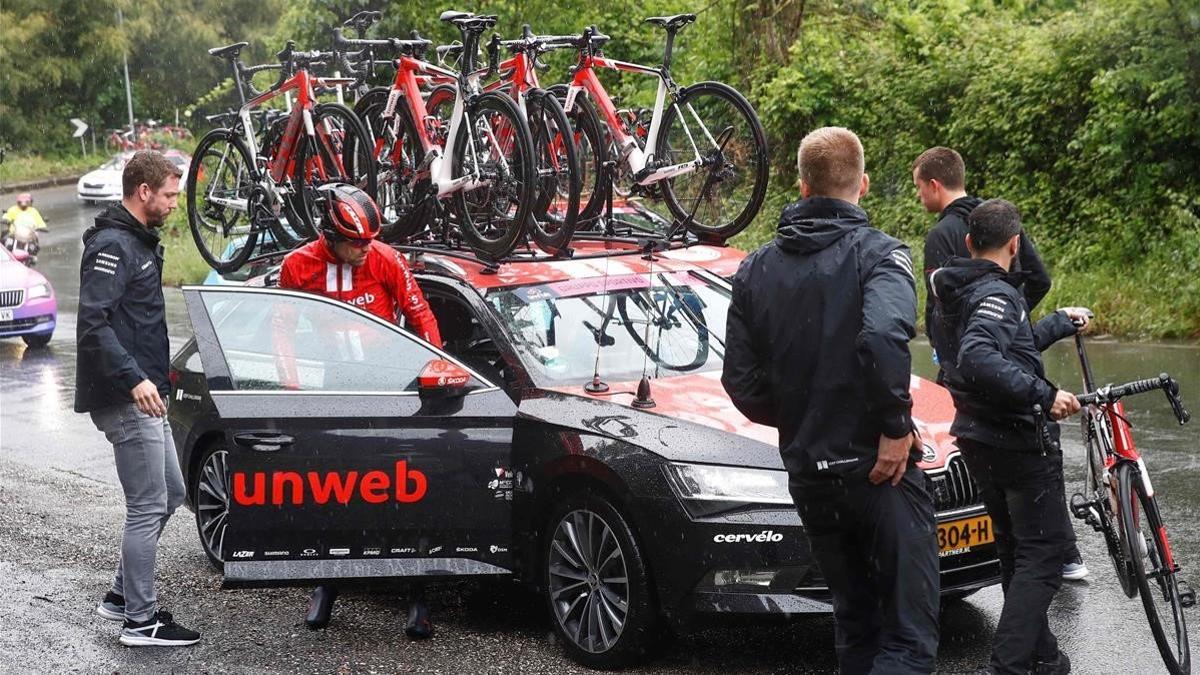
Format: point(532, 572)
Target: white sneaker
point(1074, 570)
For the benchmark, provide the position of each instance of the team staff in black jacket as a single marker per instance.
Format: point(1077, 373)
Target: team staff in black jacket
point(992, 365)
point(121, 380)
point(817, 346)
point(940, 177)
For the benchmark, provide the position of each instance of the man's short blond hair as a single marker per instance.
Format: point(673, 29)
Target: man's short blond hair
point(831, 162)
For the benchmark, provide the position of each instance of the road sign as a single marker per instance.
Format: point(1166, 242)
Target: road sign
point(80, 127)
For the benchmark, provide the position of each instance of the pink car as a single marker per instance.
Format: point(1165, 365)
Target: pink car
point(28, 308)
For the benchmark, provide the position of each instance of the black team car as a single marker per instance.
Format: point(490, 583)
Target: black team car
point(506, 455)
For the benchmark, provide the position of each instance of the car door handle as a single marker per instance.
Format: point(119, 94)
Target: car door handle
point(263, 441)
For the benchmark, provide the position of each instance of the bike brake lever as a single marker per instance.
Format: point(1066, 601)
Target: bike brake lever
point(1171, 389)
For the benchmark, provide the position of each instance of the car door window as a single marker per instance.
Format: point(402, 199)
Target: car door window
point(278, 341)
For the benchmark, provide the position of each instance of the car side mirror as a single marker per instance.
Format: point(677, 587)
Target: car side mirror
point(442, 379)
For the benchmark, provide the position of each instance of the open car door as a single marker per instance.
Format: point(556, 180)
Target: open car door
point(354, 449)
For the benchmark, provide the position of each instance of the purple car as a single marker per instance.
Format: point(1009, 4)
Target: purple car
point(27, 306)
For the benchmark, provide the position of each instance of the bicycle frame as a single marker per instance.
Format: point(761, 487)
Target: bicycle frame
point(410, 73)
point(638, 159)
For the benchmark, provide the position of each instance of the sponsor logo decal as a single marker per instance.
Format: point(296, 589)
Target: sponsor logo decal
point(372, 551)
point(498, 549)
point(362, 300)
point(465, 549)
point(405, 550)
point(180, 395)
point(405, 485)
point(761, 538)
point(823, 465)
point(436, 549)
point(339, 551)
point(276, 554)
point(242, 554)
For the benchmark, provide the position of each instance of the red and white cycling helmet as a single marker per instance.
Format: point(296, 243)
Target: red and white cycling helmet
point(349, 213)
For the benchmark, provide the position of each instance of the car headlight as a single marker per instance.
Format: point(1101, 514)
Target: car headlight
point(37, 291)
point(707, 488)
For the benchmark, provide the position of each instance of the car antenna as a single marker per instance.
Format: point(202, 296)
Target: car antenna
point(597, 386)
point(643, 399)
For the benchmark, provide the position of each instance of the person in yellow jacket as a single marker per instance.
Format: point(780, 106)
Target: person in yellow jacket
point(23, 219)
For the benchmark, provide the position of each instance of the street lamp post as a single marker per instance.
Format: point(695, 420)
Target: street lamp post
point(125, 63)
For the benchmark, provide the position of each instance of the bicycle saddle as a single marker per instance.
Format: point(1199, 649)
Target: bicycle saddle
point(671, 22)
point(228, 51)
point(450, 16)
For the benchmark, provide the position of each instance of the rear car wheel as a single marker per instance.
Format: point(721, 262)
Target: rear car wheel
point(210, 494)
point(597, 584)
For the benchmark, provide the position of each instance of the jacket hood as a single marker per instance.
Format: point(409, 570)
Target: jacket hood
point(817, 223)
point(961, 207)
point(954, 282)
point(117, 216)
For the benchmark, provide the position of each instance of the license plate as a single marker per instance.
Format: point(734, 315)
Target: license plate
point(6, 315)
point(959, 536)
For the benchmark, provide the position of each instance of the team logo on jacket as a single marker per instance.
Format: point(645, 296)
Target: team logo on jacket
point(404, 485)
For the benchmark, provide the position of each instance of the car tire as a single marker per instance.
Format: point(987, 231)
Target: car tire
point(601, 622)
point(37, 341)
point(210, 499)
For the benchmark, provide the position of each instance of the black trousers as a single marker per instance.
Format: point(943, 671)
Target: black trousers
point(876, 547)
point(1023, 492)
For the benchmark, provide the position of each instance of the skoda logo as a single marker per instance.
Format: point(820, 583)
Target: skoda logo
point(928, 454)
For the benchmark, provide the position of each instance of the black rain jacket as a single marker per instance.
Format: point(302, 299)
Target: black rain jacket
point(817, 338)
point(991, 355)
point(948, 239)
point(122, 329)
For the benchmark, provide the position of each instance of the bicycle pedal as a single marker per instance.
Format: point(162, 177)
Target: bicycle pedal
point(1187, 597)
point(1081, 508)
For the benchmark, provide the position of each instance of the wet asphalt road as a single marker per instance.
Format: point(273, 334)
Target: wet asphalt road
point(61, 511)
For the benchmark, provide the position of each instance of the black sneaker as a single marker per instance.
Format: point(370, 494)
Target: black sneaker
point(112, 607)
point(159, 630)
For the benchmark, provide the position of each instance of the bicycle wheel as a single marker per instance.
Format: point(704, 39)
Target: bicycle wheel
point(493, 144)
point(660, 327)
point(728, 189)
point(1154, 568)
point(1099, 490)
point(339, 153)
point(591, 146)
point(556, 190)
point(397, 152)
point(221, 199)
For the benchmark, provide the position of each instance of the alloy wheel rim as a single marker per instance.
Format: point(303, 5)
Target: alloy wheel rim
point(212, 502)
point(589, 584)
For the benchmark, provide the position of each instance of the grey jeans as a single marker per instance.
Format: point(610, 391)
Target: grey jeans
point(149, 471)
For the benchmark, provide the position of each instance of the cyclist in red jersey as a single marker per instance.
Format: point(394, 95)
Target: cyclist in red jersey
point(347, 263)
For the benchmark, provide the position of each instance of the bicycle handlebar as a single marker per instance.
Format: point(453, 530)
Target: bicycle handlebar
point(1112, 393)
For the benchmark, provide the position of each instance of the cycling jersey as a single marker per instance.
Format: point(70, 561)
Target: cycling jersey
point(382, 285)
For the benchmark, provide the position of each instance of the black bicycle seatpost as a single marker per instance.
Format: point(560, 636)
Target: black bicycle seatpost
point(1088, 381)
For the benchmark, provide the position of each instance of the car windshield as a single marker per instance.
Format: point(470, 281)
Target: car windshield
point(666, 324)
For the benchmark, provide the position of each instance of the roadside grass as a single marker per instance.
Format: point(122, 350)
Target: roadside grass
point(19, 168)
point(182, 263)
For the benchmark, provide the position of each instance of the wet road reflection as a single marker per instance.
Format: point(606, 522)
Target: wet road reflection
point(1101, 630)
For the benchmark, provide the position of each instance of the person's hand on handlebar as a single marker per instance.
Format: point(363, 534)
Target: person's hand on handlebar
point(1065, 405)
point(1080, 316)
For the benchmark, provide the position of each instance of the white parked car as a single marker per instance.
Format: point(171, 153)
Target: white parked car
point(104, 184)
